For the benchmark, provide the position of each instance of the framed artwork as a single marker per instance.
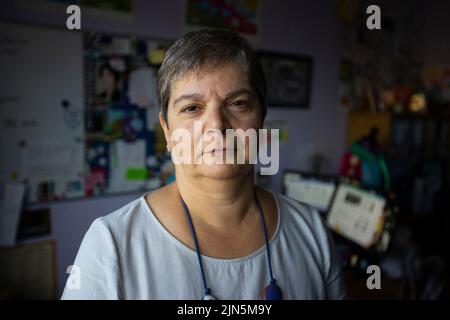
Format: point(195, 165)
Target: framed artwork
point(114, 10)
point(36, 261)
point(288, 79)
point(242, 16)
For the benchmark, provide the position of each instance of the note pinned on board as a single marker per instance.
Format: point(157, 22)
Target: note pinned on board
point(142, 87)
point(137, 173)
point(10, 209)
point(127, 155)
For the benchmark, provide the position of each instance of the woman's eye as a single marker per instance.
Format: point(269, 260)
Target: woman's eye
point(239, 103)
point(191, 109)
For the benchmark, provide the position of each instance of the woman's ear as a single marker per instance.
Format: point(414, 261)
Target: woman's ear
point(165, 127)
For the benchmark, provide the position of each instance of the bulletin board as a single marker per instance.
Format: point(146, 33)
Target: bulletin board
point(125, 148)
point(78, 112)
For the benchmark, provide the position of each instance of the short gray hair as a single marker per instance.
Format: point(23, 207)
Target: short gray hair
point(209, 48)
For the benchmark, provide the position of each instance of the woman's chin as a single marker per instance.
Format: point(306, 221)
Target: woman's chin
point(222, 171)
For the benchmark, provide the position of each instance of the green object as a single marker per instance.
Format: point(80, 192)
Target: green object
point(370, 158)
point(136, 173)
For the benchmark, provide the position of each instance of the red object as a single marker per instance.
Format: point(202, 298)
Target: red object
point(350, 166)
point(94, 179)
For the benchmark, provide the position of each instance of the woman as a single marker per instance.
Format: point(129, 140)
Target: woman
point(211, 234)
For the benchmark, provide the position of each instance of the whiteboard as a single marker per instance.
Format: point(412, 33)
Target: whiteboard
point(41, 110)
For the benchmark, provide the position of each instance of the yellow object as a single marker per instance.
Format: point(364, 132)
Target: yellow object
point(156, 56)
point(359, 124)
point(417, 102)
point(353, 260)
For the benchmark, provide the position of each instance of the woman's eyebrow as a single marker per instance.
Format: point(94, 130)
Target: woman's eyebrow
point(193, 96)
point(198, 96)
point(239, 92)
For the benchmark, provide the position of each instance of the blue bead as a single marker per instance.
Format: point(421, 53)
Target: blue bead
point(272, 292)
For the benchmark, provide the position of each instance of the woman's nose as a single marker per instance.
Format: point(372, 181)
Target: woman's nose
point(216, 120)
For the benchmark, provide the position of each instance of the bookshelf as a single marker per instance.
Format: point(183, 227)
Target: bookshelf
point(417, 153)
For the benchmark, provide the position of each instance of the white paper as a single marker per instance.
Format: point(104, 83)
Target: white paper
point(46, 160)
point(11, 207)
point(127, 155)
point(52, 161)
point(356, 214)
point(143, 87)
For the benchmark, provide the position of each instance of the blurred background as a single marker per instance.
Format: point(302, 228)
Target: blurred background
point(360, 95)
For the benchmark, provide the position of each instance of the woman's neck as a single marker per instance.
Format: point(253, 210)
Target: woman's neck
point(222, 205)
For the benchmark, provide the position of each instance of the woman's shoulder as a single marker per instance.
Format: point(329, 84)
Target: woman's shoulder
point(294, 206)
point(304, 224)
point(299, 214)
point(135, 214)
point(128, 217)
point(123, 214)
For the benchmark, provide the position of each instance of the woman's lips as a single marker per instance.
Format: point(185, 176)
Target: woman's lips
point(217, 150)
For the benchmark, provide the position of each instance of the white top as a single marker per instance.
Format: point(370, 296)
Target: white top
point(129, 254)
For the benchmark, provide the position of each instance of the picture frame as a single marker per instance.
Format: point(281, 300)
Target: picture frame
point(289, 79)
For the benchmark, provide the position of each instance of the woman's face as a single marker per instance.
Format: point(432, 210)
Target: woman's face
point(203, 105)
